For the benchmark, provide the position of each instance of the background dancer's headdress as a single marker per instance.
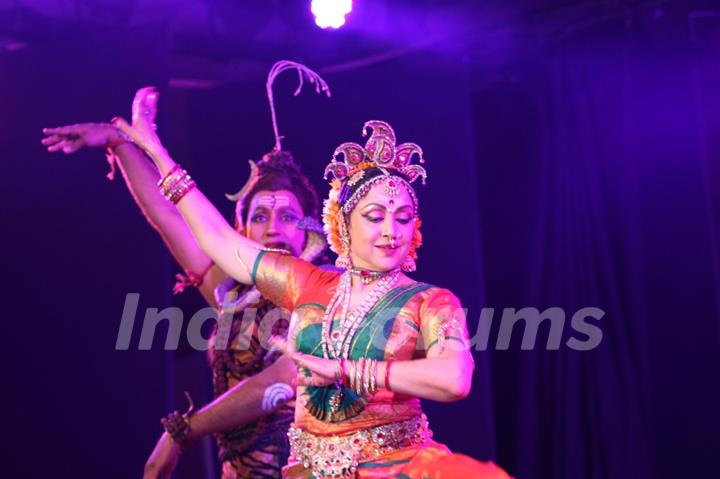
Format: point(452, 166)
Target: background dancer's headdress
point(361, 168)
point(278, 169)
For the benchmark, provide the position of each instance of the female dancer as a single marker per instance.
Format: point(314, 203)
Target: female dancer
point(369, 341)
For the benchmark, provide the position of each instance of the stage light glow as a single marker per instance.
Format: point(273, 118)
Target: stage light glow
point(330, 13)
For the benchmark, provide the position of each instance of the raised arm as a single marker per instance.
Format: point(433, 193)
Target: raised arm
point(141, 178)
point(232, 252)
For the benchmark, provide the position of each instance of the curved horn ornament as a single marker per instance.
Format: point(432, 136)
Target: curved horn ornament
point(404, 154)
point(413, 172)
point(254, 175)
point(338, 170)
point(380, 150)
point(353, 154)
point(379, 128)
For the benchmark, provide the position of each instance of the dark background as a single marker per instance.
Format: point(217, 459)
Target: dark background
point(573, 157)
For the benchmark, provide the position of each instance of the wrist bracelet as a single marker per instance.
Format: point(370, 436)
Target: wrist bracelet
point(178, 425)
point(359, 366)
point(169, 178)
point(373, 376)
point(176, 184)
point(366, 376)
point(352, 365)
point(110, 155)
point(123, 138)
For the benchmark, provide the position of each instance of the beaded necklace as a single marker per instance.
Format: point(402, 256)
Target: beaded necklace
point(338, 341)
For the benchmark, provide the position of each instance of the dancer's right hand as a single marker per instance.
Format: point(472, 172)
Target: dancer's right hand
point(163, 459)
point(71, 138)
point(143, 129)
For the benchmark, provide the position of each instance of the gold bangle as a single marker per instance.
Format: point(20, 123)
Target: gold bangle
point(358, 375)
point(366, 376)
point(351, 375)
point(166, 179)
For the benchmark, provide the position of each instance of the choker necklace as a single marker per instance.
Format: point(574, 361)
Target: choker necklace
point(367, 276)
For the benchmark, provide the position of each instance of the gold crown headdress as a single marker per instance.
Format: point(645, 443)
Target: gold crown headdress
point(379, 152)
point(359, 171)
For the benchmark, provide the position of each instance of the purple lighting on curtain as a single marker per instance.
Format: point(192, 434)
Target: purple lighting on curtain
point(330, 13)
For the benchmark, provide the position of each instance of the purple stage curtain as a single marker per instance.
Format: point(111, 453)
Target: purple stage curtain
point(596, 161)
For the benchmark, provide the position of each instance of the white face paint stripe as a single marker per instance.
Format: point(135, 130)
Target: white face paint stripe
point(272, 200)
point(276, 395)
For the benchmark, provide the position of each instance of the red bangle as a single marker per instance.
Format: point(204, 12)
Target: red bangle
point(116, 143)
point(387, 374)
point(163, 183)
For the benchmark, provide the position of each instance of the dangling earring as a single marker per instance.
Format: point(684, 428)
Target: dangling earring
point(343, 260)
point(408, 265)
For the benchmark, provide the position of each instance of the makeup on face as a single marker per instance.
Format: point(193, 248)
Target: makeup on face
point(273, 200)
point(382, 229)
point(391, 204)
point(375, 212)
point(273, 218)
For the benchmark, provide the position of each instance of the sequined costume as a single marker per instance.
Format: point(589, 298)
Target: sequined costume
point(387, 434)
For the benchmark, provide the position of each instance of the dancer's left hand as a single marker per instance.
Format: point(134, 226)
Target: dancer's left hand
point(323, 372)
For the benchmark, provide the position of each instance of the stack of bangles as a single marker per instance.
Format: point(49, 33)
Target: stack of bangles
point(361, 375)
point(176, 184)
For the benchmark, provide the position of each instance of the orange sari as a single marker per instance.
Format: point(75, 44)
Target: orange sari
point(385, 434)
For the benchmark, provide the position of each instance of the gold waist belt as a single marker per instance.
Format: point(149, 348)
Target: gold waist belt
point(339, 456)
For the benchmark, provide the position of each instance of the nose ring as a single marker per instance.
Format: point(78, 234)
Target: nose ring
point(393, 238)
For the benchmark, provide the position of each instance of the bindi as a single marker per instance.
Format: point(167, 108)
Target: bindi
point(390, 204)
